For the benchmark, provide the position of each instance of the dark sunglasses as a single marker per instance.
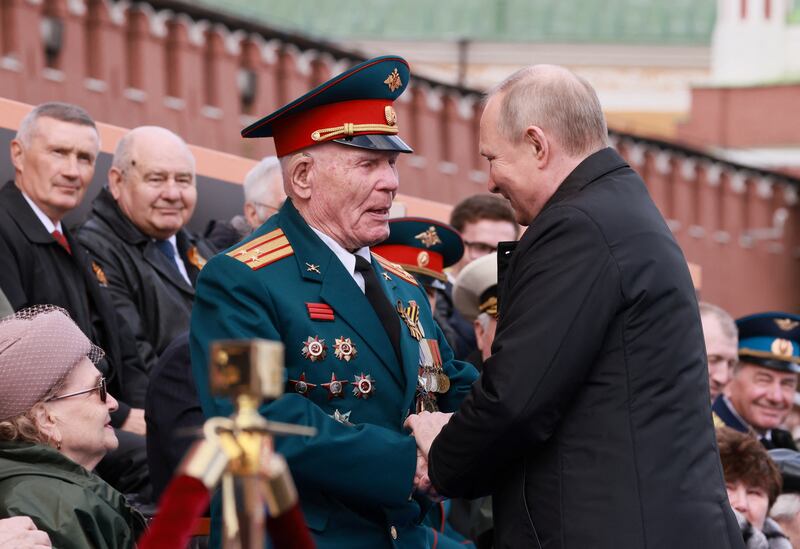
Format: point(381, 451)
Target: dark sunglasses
point(101, 386)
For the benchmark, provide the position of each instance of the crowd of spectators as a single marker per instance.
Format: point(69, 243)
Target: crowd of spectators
point(126, 277)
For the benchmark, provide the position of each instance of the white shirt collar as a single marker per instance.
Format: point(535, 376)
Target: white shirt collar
point(46, 221)
point(346, 258)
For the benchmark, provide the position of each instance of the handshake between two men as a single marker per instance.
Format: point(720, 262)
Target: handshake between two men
point(425, 427)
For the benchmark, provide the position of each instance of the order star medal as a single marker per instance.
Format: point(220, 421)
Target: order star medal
point(314, 348)
point(343, 349)
point(410, 316)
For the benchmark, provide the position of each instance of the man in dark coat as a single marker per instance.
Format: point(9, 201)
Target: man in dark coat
point(590, 425)
point(136, 234)
point(761, 393)
point(54, 156)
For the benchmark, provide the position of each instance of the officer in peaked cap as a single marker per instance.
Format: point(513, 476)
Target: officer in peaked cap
point(425, 248)
point(353, 323)
point(762, 391)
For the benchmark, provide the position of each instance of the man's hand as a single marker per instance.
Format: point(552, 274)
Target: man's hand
point(422, 483)
point(135, 423)
point(425, 427)
point(21, 533)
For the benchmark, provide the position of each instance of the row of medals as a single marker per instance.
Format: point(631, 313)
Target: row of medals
point(431, 379)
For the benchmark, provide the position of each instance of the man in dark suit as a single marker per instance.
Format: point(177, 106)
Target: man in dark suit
point(761, 394)
point(590, 425)
point(136, 234)
point(54, 155)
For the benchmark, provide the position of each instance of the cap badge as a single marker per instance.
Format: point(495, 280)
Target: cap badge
point(393, 80)
point(391, 116)
point(786, 324)
point(363, 386)
point(335, 387)
point(782, 347)
point(423, 258)
point(314, 349)
point(429, 238)
point(343, 349)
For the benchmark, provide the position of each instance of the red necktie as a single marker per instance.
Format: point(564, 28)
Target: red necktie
point(61, 239)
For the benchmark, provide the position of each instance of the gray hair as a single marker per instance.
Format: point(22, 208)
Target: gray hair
point(785, 507)
point(259, 180)
point(726, 322)
point(64, 112)
point(557, 101)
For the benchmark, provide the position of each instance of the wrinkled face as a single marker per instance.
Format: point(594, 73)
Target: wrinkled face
point(83, 421)
point(514, 170)
point(481, 238)
point(352, 192)
point(157, 190)
point(763, 397)
point(57, 164)
point(485, 336)
point(722, 352)
point(751, 501)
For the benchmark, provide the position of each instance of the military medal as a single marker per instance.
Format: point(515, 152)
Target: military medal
point(301, 386)
point(335, 387)
point(363, 386)
point(314, 349)
point(410, 316)
point(343, 349)
point(343, 418)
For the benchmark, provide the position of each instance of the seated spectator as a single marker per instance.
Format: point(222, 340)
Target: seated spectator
point(54, 155)
point(761, 393)
point(786, 512)
point(137, 235)
point(55, 427)
point(753, 483)
point(721, 337)
point(21, 533)
point(263, 196)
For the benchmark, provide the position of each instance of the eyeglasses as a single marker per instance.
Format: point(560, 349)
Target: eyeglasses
point(101, 386)
point(263, 205)
point(480, 247)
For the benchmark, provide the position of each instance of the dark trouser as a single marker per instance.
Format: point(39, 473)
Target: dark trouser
point(126, 467)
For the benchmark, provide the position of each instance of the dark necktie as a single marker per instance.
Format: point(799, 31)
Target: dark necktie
point(386, 313)
point(165, 247)
point(61, 239)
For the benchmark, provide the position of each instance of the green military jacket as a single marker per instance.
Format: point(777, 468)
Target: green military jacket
point(355, 477)
point(75, 507)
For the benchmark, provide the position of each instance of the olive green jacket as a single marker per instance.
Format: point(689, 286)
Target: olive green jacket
point(74, 506)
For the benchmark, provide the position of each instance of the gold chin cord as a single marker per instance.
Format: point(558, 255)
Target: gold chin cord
point(239, 451)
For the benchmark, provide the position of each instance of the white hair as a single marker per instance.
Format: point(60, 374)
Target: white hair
point(261, 182)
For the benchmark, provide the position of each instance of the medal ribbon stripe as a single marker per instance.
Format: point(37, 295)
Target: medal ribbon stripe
point(320, 311)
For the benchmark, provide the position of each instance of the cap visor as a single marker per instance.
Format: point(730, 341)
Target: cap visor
point(376, 142)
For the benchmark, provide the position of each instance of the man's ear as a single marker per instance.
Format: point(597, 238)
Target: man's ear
point(478, 327)
point(251, 214)
point(298, 175)
point(538, 143)
point(17, 154)
point(115, 182)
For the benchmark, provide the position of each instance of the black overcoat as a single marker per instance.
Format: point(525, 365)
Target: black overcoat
point(146, 288)
point(36, 270)
point(590, 425)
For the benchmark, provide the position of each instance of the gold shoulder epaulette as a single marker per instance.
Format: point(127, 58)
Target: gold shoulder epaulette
point(395, 269)
point(263, 250)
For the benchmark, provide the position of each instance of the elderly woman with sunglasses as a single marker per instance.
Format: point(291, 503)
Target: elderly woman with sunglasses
point(54, 429)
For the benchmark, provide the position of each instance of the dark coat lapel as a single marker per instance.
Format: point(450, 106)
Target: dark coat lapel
point(338, 290)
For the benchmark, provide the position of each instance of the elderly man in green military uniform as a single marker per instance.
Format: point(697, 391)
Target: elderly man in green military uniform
point(362, 349)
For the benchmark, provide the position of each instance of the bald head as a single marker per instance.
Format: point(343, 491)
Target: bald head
point(556, 100)
point(152, 178)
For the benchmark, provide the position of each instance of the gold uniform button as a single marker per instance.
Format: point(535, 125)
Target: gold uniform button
point(393, 531)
